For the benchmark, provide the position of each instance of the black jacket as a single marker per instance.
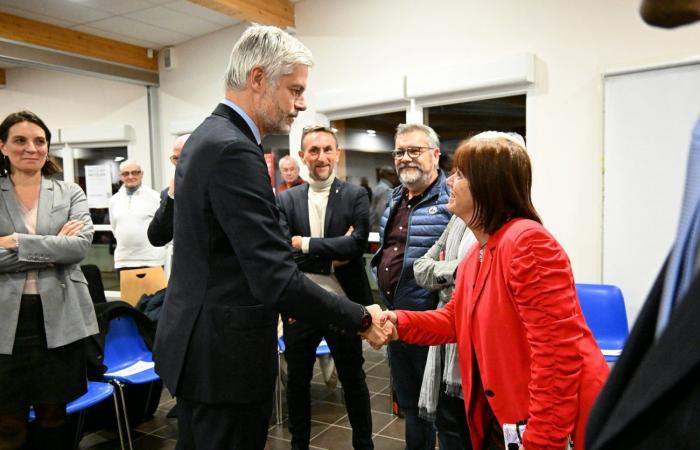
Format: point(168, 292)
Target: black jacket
point(232, 273)
point(160, 230)
point(348, 205)
point(652, 398)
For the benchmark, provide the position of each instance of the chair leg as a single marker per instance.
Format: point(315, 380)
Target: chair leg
point(119, 420)
point(79, 429)
point(278, 393)
point(127, 427)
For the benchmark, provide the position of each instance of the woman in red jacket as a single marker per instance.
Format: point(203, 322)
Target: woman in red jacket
point(522, 339)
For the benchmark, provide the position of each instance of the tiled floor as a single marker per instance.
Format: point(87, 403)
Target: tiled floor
point(330, 428)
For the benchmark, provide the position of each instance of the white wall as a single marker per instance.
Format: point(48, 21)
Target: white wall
point(64, 100)
point(575, 42)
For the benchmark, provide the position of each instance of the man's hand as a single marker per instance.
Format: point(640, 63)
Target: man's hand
point(171, 188)
point(71, 228)
point(350, 230)
point(337, 263)
point(296, 242)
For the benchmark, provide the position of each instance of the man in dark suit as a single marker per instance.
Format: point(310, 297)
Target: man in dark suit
point(160, 230)
point(652, 398)
point(233, 271)
point(328, 224)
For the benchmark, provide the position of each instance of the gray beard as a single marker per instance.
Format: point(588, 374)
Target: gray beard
point(413, 177)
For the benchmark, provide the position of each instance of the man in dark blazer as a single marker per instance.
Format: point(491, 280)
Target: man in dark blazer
point(233, 271)
point(327, 222)
point(652, 398)
point(160, 230)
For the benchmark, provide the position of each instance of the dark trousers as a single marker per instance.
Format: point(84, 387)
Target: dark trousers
point(407, 363)
point(301, 341)
point(451, 423)
point(230, 426)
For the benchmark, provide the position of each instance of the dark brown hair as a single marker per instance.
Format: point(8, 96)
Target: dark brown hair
point(50, 167)
point(500, 180)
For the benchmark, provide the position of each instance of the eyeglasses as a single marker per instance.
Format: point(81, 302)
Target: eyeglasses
point(133, 173)
point(413, 152)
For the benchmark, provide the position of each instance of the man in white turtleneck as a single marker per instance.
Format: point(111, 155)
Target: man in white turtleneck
point(328, 225)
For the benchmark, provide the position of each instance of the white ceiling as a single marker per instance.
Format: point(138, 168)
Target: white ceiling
point(148, 23)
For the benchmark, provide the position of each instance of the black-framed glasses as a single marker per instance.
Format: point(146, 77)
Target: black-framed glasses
point(413, 152)
point(133, 173)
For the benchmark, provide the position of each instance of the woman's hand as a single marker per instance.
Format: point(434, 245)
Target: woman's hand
point(9, 241)
point(71, 228)
point(390, 316)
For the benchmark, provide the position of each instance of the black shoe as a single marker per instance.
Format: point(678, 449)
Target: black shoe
point(172, 414)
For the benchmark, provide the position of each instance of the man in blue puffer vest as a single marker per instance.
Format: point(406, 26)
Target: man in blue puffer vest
point(415, 217)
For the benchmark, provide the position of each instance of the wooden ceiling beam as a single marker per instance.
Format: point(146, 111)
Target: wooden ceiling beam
point(269, 12)
point(27, 31)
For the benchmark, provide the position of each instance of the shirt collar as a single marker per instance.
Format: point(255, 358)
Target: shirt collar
point(246, 117)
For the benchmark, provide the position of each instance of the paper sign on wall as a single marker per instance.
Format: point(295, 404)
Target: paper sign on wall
point(98, 185)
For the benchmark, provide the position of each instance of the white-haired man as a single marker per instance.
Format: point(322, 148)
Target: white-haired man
point(233, 271)
point(130, 211)
point(289, 168)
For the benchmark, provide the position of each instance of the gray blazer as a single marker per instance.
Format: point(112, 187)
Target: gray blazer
point(68, 311)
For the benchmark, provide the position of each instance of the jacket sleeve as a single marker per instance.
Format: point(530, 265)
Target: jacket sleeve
point(248, 215)
point(434, 327)
point(10, 263)
point(60, 249)
point(160, 230)
point(430, 272)
point(542, 286)
point(346, 247)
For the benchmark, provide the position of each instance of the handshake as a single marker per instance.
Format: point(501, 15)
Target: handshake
point(383, 329)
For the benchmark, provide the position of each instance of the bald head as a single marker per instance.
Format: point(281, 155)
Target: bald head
point(177, 148)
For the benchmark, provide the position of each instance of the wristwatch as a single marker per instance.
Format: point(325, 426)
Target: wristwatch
point(366, 320)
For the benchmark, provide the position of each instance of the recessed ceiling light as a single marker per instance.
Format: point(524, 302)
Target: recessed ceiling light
point(371, 132)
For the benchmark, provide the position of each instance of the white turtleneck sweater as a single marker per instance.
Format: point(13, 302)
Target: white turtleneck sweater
point(318, 201)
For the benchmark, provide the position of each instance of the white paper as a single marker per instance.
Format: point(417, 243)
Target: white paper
point(98, 185)
point(137, 367)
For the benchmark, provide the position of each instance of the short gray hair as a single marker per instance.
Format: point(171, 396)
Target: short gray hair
point(274, 50)
point(405, 128)
point(285, 159)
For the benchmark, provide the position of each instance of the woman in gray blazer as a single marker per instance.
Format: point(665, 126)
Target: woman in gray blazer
point(45, 306)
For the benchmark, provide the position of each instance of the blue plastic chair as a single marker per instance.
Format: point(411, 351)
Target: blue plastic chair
point(604, 309)
point(321, 350)
point(96, 393)
point(128, 361)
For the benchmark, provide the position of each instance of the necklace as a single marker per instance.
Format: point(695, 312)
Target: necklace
point(481, 252)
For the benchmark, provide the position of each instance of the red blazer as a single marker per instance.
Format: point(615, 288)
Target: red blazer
point(517, 315)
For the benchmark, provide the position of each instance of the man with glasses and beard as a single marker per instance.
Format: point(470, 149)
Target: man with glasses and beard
point(413, 220)
point(233, 271)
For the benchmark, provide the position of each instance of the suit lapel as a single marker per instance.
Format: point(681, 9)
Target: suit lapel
point(334, 196)
point(46, 204)
point(302, 206)
point(12, 205)
point(665, 364)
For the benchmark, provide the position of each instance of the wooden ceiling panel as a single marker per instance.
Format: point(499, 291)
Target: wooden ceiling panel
point(269, 12)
